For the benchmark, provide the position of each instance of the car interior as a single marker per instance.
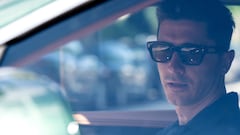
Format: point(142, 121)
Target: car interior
point(94, 54)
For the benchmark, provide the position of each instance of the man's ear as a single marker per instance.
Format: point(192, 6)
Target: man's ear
point(227, 60)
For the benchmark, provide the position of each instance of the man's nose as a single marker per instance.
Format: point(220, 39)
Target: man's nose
point(175, 65)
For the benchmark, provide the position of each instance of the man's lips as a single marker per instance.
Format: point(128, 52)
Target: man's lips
point(176, 85)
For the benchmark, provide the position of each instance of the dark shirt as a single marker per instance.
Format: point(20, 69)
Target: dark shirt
point(220, 118)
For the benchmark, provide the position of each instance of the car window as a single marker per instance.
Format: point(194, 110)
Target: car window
point(110, 69)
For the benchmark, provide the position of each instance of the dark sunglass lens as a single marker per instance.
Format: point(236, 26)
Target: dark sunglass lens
point(192, 56)
point(161, 53)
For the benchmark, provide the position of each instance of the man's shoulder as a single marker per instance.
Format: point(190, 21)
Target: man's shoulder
point(228, 130)
point(221, 129)
point(228, 125)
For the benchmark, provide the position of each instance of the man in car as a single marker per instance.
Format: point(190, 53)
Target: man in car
point(193, 57)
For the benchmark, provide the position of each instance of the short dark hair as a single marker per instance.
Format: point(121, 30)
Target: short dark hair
point(219, 20)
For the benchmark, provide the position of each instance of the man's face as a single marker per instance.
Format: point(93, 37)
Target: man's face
point(189, 84)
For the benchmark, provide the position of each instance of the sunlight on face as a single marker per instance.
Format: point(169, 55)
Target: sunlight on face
point(183, 84)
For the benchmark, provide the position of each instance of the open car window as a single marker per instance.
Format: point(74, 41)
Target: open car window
point(109, 69)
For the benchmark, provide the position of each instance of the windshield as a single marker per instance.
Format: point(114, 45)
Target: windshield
point(11, 10)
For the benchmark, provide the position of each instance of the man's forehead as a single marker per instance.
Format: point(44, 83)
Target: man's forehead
point(180, 31)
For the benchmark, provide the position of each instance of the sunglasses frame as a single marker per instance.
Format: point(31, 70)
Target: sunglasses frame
point(202, 48)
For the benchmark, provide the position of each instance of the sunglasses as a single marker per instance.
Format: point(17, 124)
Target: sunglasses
point(190, 54)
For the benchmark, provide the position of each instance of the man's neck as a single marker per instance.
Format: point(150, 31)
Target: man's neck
point(186, 113)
